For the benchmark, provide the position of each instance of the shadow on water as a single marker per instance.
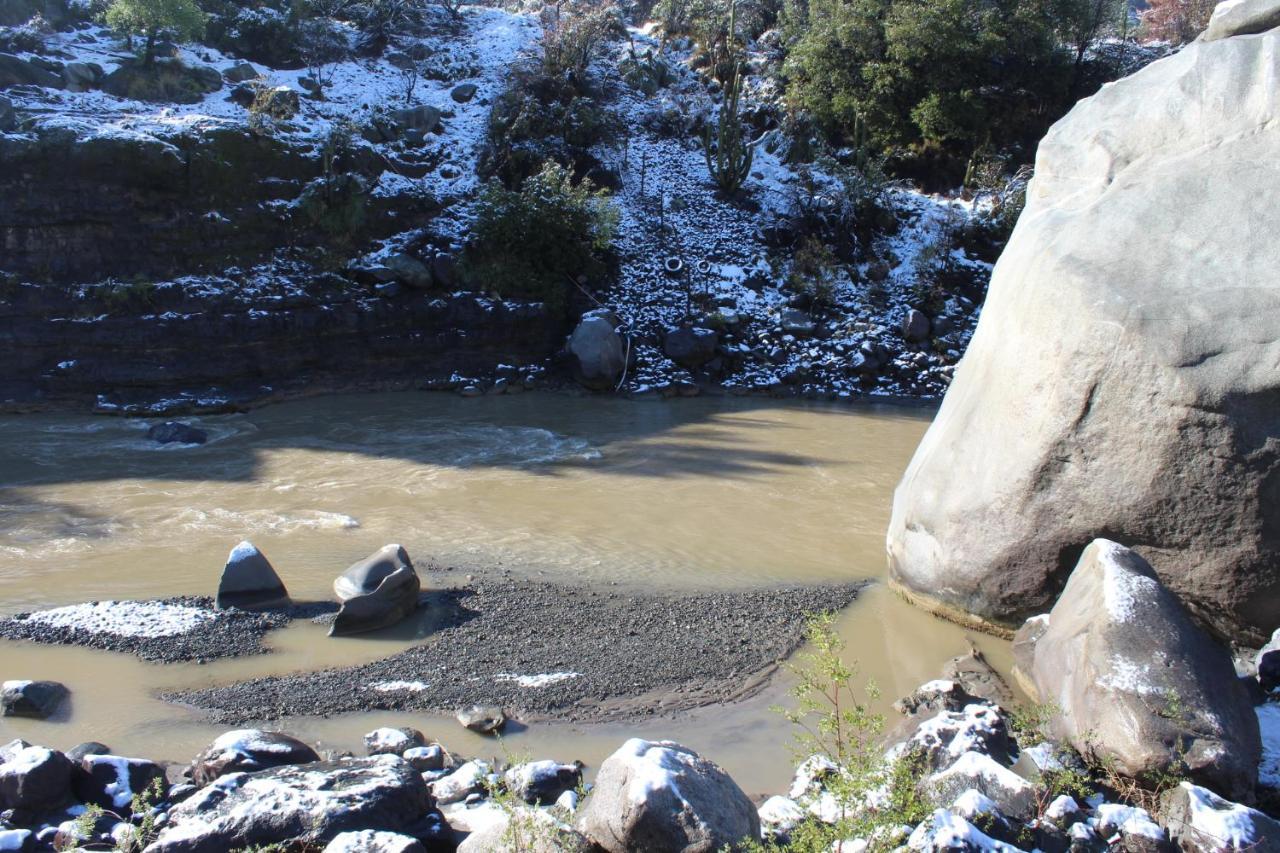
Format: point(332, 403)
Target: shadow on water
point(544, 434)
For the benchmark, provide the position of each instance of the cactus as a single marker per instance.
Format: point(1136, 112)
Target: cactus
point(729, 159)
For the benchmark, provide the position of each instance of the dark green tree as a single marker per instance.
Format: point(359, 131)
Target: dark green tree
point(149, 18)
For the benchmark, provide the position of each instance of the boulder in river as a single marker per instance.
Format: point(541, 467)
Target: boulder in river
point(376, 592)
point(248, 751)
point(176, 432)
point(663, 796)
point(1133, 681)
point(249, 582)
point(598, 351)
point(389, 741)
point(482, 719)
point(1123, 375)
point(39, 699)
point(309, 804)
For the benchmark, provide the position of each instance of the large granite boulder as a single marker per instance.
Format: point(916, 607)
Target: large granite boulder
point(598, 351)
point(376, 592)
point(249, 582)
point(1123, 378)
point(1133, 681)
point(663, 798)
point(248, 751)
point(310, 804)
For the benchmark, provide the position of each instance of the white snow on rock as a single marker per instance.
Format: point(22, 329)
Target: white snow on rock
point(119, 791)
point(14, 839)
point(1112, 818)
point(972, 803)
point(541, 680)
point(1124, 590)
point(125, 618)
point(780, 814)
point(654, 767)
point(946, 831)
point(1216, 822)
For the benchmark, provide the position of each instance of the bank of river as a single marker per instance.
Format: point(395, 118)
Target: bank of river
point(682, 497)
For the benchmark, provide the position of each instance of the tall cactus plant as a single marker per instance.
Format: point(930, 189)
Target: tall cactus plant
point(729, 155)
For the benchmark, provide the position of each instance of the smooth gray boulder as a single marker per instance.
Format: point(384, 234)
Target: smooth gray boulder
point(1199, 819)
point(660, 797)
point(376, 592)
point(598, 351)
point(38, 699)
point(308, 805)
point(1241, 18)
point(249, 582)
point(482, 719)
point(248, 751)
point(1133, 681)
point(1122, 378)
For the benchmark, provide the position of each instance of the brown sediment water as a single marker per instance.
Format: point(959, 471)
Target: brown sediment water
point(681, 495)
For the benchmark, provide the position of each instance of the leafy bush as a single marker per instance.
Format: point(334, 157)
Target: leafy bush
point(572, 32)
point(149, 18)
point(813, 272)
point(537, 241)
point(28, 38)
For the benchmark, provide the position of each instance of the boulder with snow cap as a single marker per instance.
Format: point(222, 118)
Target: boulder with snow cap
point(308, 805)
point(1199, 819)
point(778, 816)
point(1123, 375)
point(1014, 796)
point(944, 831)
point(389, 741)
point(1135, 682)
point(34, 778)
point(426, 758)
point(1128, 828)
point(249, 582)
point(38, 699)
point(942, 739)
point(542, 782)
point(471, 778)
point(660, 796)
point(248, 751)
point(376, 592)
point(112, 781)
point(373, 841)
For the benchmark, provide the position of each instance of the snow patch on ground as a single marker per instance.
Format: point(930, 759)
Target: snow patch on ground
point(545, 679)
point(399, 686)
point(126, 618)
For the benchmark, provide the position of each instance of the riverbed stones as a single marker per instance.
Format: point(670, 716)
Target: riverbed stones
point(250, 582)
point(176, 432)
point(310, 803)
point(661, 796)
point(376, 592)
point(1122, 377)
point(112, 781)
point(33, 778)
point(248, 751)
point(38, 699)
point(1134, 681)
point(598, 351)
point(482, 719)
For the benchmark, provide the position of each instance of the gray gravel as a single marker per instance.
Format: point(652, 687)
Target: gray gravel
point(231, 633)
point(635, 654)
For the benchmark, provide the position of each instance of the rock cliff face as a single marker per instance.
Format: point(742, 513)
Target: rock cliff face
point(1124, 380)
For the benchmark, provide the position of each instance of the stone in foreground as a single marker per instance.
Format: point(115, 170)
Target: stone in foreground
point(376, 592)
point(1131, 676)
point(1199, 819)
point(248, 751)
point(1123, 375)
point(250, 582)
point(310, 803)
point(34, 778)
point(38, 699)
point(661, 796)
point(112, 781)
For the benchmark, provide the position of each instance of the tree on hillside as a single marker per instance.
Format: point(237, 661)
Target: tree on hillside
point(149, 18)
point(1081, 23)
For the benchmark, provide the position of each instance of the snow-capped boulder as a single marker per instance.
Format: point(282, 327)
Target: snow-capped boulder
point(1199, 819)
point(112, 781)
point(249, 581)
point(942, 739)
point(376, 592)
point(1127, 828)
point(780, 815)
point(39, 699)
point(1123, 375)
point(944, 831)
point(34, 778)
point(1013, 796)
point(599, 354)
point(1131, 676)
point(542, 782)
point(248, 751)
point(425, 758)
point(389, 741)
point(468, 779)
point(652, 796)
point(373, 841)
point(309, 803)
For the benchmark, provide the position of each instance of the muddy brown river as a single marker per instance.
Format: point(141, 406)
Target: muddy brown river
point(679, 495)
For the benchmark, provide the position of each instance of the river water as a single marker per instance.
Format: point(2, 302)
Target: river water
point(678, 495)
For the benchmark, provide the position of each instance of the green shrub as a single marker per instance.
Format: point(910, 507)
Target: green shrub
point(149, 18)
point(813, 272)
point(537, 241)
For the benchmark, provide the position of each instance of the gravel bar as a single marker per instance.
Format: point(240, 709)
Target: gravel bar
point(552, 651)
